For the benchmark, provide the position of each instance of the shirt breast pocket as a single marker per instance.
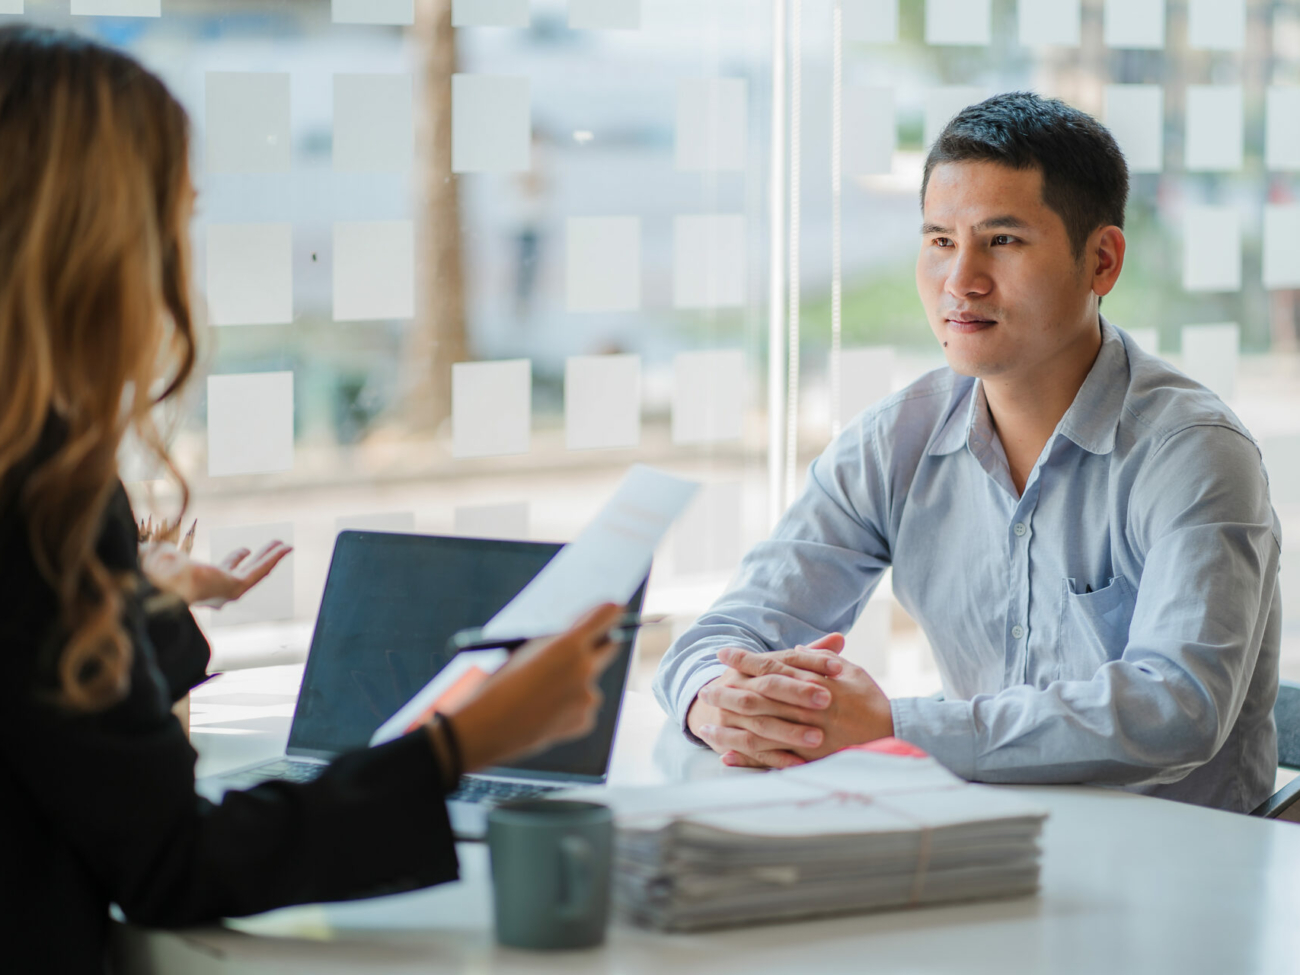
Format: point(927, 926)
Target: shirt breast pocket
point(1094, 627)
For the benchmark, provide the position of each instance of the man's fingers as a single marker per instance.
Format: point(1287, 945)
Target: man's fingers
point(821, 662)
point(750, 699)
point(756, 664)
point(723, 738)
point(834, 642)
point(785, 733)
point(774, 759)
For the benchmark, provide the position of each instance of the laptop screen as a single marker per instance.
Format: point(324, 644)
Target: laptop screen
point(390, 605)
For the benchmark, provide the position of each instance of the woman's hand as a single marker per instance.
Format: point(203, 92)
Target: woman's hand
point(200, 584)
point(545, 694)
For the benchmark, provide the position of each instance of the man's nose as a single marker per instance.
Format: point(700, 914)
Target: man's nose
point(967, 276)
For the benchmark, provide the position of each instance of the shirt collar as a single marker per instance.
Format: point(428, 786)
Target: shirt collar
point(1090, 421)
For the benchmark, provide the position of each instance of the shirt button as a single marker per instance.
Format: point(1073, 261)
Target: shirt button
point(1017, 631)
point(1020, 528)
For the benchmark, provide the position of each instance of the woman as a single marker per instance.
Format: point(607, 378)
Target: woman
point(97, 801)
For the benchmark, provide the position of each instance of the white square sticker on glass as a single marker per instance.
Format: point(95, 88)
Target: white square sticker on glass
point(509, 521)
point(250, 423)
point(1210, 354)
point(491, 124)
point(943, 103)
point(272, 598)
point(1282, 461)
point(1212, 248)
point(707, 538)
point(250, 273)
point(604, 14)
point(866, 377)
point(603, 263)
point(112, 8)
point(709, 260)
point(870, 130)
point(374, 270)
point(958, 21)
point(11, 6)
point(1146, 339)
point(384, 521)
point(1215, 134)
point(1045, 22)
point(247, 116)
point(870, 21)
point(1218, 25)
point(489, 13)
point(602, 401)
point(1282, 129)
point(708, 396)
point(1135, 115)
point(711, 124)
point(373, 123)
point(1134, 23)
point(401, 12)
point(1281, 246)
point(491, 407)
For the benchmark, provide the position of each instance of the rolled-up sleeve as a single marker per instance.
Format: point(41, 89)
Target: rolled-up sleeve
point(1200, 511)
point(811, 577)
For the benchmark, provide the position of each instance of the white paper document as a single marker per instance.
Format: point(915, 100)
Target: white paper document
point(605, 563)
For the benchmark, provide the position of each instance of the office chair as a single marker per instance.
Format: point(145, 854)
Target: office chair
point(1285, 804)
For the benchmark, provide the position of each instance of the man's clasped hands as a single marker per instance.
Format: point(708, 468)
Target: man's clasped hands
point(779, 709)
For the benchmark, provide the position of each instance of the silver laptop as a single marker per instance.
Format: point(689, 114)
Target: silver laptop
point(391, 604)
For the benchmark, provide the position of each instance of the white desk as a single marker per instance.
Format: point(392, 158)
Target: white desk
point(1129, 885)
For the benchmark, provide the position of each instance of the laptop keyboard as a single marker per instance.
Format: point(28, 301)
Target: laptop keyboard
point(283, 770)
point(493, 791)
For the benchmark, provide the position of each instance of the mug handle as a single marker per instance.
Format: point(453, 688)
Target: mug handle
point(575, 862)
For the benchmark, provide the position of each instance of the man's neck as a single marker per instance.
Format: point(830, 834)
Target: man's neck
point(1026, 409)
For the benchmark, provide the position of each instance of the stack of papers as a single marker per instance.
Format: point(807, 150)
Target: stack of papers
point(857, 831)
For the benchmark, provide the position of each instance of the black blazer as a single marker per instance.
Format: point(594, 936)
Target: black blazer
point(99, 809)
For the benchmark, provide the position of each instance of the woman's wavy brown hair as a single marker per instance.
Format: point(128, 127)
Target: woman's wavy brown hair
point(95, 196)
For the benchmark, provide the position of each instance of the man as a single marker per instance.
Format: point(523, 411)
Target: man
point(1084, 534)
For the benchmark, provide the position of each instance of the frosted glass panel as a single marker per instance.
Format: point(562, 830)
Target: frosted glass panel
point(602, 401)
point(493, 520)
point(942, 103)
point(250, 273)
point(866, 377)
point(1282, 246)
point(1282, 460)
point(1135, 117)
point(374, 11)
point(1216, 24)
point(871, 21)
point(708, 396)
point(491, 410)
point(711, 124)
point(603, 263)
point(250, 423)
point(708, 538)
point(373, 128)
point(388, 521)
point(374, 270)
point(1282, 132)
point(489, 13)
point(491, 124)
point(709, 261)
point(1210, 354)
point(1214, 128)
point(247, 122)
point(1049, 22)
point(114, 8)
point(1212, 249)
point(604, 14)
point(958, 21)
point(870, 130)
point(1134, 23)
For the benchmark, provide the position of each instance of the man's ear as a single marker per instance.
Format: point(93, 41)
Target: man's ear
point(1106, 250)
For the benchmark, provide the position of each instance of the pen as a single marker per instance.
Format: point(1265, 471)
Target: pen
point(473, 639)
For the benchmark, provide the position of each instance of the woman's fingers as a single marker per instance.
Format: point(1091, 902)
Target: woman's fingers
point(595, 625)
point(231, 561)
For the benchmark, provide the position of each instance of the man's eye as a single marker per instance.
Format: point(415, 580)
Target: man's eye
point(1002, 239)
point(941, 241)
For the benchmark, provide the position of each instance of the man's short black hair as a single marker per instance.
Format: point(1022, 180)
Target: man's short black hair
point(1085, 178)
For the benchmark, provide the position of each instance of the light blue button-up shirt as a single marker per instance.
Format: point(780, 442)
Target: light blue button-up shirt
point(1117, 623)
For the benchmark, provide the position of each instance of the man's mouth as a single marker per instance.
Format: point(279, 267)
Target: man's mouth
point(968, 323)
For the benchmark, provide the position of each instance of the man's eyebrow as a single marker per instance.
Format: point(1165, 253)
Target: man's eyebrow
point(1006, 221)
